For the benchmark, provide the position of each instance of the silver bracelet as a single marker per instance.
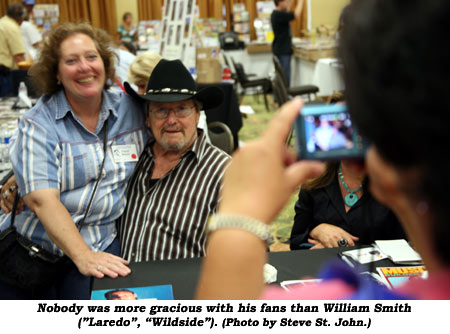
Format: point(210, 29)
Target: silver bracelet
point(248, 224)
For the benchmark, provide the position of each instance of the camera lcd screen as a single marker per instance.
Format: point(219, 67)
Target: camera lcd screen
point(326, 132)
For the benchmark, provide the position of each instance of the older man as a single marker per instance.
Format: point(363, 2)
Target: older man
point(176, 183)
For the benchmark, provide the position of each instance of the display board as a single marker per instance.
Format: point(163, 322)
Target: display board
point(176, 41)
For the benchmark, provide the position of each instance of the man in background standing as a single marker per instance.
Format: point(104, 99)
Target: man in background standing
point(282, 43)
point(32, 38)
point(12, 50)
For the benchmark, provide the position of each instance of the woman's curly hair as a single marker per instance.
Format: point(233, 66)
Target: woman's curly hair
point(44, 72)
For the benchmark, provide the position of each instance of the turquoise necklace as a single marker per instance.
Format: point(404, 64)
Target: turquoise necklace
point(351, 197)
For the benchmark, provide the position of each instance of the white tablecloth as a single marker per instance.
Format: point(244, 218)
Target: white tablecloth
point(325, 74)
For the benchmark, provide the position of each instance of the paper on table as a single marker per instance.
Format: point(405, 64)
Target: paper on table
point(393, 277)
point(270, 273)
point(246, 110)
point(287, 285)
point(399, 251)
point(365, 255)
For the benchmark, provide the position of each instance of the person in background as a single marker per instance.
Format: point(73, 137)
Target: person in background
point(57, 158)
point(282, 43)
point(140, 70)
point(122, 62)
point(338, 210)
point(127, 46)
point(12, 50)
point(395, 99)
point(127, 31)
point(32, 38)
point(177, 180)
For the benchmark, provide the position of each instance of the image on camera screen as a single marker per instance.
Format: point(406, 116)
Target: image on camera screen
point(328, 132)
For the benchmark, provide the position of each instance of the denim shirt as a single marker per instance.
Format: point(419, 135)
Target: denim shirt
point(53, 149)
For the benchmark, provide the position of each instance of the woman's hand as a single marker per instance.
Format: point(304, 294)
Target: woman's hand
point(102, 264)
point(317, 244)
point(326, 235)
point(61, 229)
point(7, 195)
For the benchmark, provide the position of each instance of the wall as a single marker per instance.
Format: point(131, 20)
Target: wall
point(326, 11)
point(123, 6)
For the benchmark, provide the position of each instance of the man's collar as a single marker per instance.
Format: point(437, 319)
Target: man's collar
point(12, 20)
point(198, 148)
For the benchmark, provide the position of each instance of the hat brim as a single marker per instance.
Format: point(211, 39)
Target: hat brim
point(210, 97)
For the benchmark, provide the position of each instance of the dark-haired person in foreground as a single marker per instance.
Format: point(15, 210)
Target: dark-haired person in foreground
point(394, 89)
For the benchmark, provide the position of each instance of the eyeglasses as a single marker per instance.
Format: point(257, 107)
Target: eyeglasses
point(180, 111)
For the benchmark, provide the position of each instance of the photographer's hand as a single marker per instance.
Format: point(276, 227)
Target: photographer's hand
point(261, 178)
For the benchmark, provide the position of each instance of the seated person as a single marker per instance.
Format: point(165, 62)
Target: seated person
point(141, 68)
point(177, 180)
point(337, 210)
point(138, 74)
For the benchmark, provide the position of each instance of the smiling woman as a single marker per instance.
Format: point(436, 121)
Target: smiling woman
point(82, 73)
point(63, 149)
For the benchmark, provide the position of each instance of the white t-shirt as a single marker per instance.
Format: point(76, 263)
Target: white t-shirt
point(30, 36)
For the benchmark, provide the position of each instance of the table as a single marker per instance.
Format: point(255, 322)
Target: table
point(328, 76)
point(325, 73)
point(259, 63)
point(183, 274)
point(9, 117)
point(228, 112)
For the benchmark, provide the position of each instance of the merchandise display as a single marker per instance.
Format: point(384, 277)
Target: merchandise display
point(149, 35)
point(263, 27)
point(241, 22)
point(207, 32)
point(45, 16)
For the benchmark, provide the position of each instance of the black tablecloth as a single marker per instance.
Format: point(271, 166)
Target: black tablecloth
point(228, 112)
point(183, 274)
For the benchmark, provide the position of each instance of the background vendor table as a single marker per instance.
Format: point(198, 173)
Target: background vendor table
point(183, 274)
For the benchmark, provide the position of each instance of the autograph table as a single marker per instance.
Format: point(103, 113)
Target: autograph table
point(183, 274)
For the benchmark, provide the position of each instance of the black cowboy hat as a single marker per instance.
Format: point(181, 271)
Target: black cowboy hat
point(170, 81)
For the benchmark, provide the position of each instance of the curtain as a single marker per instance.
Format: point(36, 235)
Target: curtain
point(4, 5)
point(150, 10)
point(298, 25)
point(100, 13)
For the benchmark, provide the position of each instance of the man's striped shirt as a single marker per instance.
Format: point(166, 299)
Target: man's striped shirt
point(166, 219)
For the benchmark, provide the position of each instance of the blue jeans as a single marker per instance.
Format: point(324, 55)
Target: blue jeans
point(285, 61)
point(73, 285)
point(5, 85)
